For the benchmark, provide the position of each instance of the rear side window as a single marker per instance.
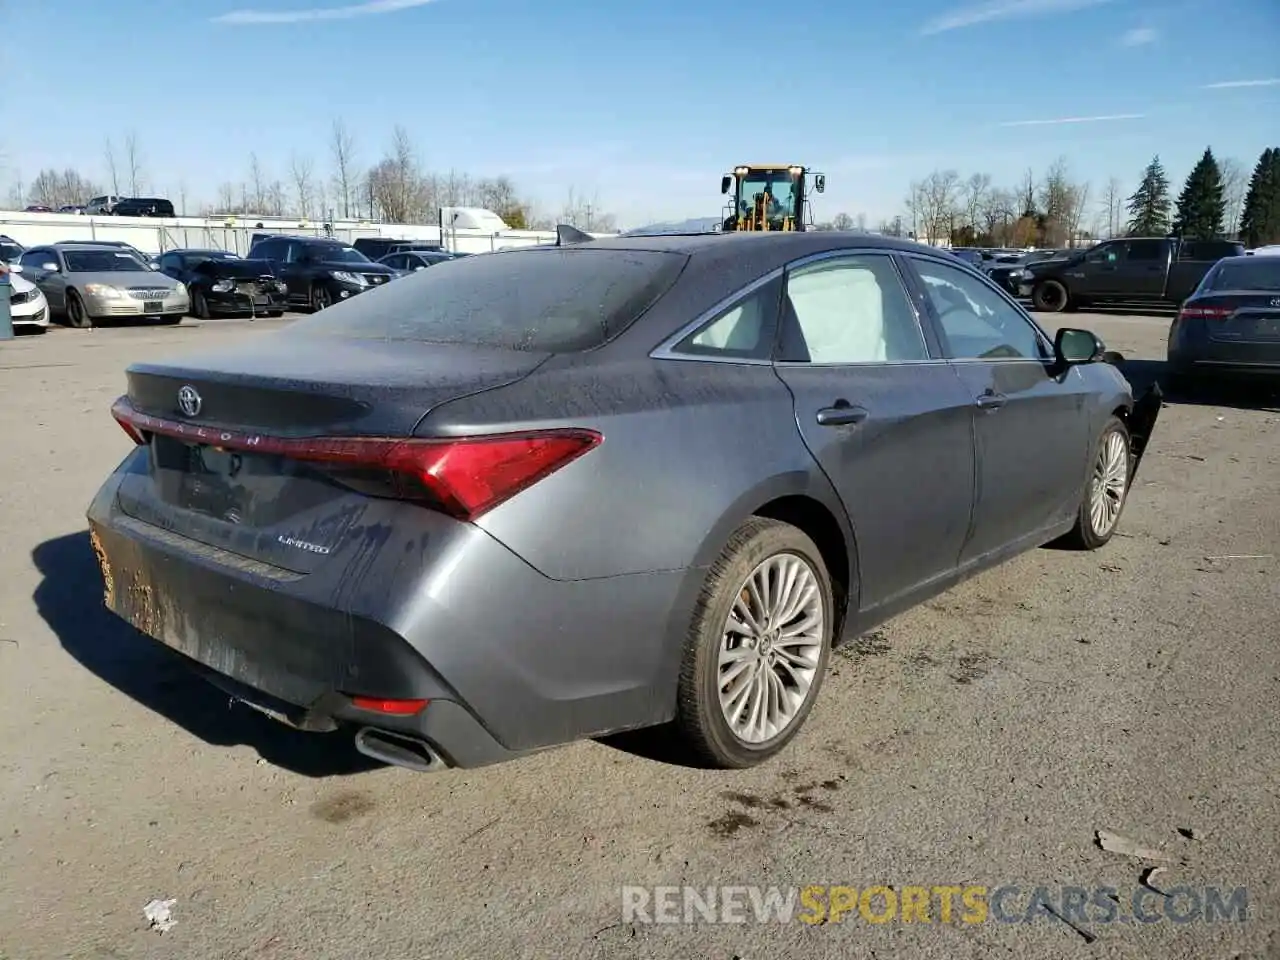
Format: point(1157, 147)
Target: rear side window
point(559, 300)
point(1247, 274)
point(1146, 250)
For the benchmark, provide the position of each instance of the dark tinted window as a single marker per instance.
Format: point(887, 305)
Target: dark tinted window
point(269, 250)
point(330, 253)
point(545, 300)
point(1209, 250)
point(37, 258)
point(9, 250)
point(1254, 273)
point(237, 268)
point(1146, 250)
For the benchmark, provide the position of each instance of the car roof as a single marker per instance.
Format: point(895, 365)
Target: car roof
point(89, 244)
point(790, 244)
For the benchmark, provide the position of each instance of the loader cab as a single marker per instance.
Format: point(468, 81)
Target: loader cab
point(768, 197)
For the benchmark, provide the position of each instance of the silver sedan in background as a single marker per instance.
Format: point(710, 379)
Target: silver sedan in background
point(87, 284)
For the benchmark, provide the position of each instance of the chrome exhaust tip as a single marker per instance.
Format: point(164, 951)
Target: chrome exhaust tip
point(399, 750)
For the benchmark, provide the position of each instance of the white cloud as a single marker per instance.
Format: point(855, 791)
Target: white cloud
point(1062, 120)
point(1232, 84)
point(990, 11)
point(367, 9)
point(1139, 36)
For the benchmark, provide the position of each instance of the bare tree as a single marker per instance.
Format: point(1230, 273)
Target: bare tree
point(396, 183)
point(933, 205)
point(842, 221)
point(226, 199)
point(1112, 207)
point(300, 171)
point(999, 212)
point(976, 191)
point(133, 163)
point(277, 201)
point(113, 172)
point(1075, 213)
point(1058, 198)
point(58, 188)
point(860, 222)
point(585, 213)
point(342, 148)
point(256, 198)
point(1028, 194)
point(1235, 182)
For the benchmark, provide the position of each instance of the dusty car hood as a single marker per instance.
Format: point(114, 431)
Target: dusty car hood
point(125, 278)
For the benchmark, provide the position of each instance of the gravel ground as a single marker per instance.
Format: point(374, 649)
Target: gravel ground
point(981, 739)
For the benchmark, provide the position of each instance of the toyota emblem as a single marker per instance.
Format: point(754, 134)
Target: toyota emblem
point(189, 401)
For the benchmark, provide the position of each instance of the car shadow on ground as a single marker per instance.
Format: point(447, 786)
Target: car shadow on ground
point(1234, 394)
point(69, 598)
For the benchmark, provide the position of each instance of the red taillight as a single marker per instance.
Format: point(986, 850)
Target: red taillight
point(395, 708)
point(1205, 313)
point(466, 476)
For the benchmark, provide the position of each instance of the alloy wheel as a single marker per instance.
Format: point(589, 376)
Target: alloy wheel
point(1110, 483)
point(770, 648)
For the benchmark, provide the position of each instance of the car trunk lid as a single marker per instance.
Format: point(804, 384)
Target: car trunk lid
point(216, 464)
point(1239, 316)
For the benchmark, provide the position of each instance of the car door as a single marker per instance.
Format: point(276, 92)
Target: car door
point(884, 416)
point(52, 283)
point(1145, 269)
point(1030, 427)
point(1098, 273)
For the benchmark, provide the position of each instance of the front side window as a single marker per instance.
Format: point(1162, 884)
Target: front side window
point(976, 321)
point(849, 310)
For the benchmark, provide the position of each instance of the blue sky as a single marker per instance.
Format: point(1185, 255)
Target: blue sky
point(644, 103)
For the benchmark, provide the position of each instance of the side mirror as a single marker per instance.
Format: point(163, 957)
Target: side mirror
point(15, 268)
point(725, 183)
point(416, 269)
point(820, 182)
point(1072, 347)
point(49, 267)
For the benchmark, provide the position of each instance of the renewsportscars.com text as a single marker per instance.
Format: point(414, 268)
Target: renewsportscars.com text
point(816, 904)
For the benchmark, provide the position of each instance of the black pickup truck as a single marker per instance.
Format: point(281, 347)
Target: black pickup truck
point(1135, 269)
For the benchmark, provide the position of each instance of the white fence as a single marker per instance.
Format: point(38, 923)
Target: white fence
point(158, 234)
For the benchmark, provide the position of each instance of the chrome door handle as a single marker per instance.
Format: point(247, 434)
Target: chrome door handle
point(992, 401)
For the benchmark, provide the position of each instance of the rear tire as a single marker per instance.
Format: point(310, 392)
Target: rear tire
point(76, 315)
point(1106, 490)
point(1050, 296)
point(768, 680)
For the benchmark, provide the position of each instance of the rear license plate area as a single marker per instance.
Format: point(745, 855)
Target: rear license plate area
point(153, 306)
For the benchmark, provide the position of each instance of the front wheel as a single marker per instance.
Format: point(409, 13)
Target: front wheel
point(321, 298)
point(77, 316)
point(1107, 490)
point(758, 646)
point(1050, 296)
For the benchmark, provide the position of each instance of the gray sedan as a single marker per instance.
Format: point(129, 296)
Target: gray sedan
point(88, 284)
point(558, 492)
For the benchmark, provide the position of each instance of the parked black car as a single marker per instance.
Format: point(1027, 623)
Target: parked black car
point(375, 248)
point(411, 261)
point(320, 271)
point(1136, 269)
point(1009, 274)
point(1230, 325)
point(221, 282)
point(143, 207)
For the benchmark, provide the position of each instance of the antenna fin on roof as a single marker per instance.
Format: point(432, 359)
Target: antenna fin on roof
point(566, 234)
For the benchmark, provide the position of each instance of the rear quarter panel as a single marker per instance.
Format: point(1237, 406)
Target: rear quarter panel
point(690, 449)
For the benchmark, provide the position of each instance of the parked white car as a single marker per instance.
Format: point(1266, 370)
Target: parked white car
point(27, 305)
point(1272, 250)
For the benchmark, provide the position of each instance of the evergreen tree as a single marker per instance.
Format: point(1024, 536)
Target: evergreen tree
point(1260, 221)
point(1201, 206)
point(1149, 205)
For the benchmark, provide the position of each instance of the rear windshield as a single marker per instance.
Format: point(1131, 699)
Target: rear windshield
point(553, 300)
point(1250, 274)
